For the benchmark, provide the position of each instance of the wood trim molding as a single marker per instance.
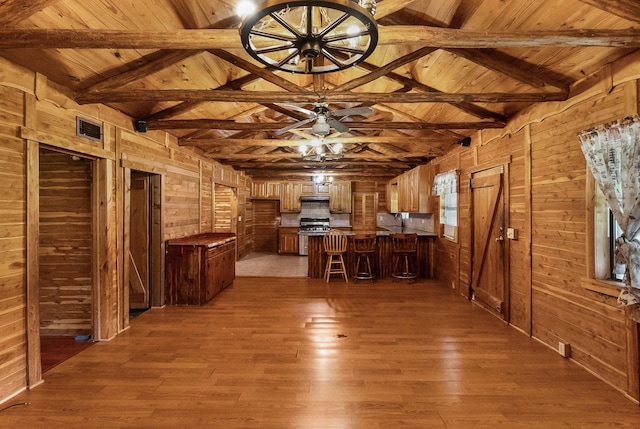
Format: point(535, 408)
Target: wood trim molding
point(605, 287)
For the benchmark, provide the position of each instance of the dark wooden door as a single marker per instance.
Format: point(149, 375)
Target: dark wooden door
point(488, 266)
point(265, 225)
point(139, 244)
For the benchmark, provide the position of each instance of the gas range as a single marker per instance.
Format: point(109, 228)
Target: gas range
point(308, 224)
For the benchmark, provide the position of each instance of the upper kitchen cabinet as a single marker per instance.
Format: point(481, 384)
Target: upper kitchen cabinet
point(414, 190)
point(315, 189)
point(340, 197)
point(290, 197)
point(268, 190)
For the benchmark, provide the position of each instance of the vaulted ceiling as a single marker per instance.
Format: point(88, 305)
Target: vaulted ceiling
point(442, 69)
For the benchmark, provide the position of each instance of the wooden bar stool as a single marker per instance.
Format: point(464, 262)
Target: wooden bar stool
point(335, 246)
point(405, 251)
point(364, 246)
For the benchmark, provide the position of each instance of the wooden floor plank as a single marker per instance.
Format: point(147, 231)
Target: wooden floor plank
point(301, 353)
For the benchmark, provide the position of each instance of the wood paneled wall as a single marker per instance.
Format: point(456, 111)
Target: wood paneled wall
point(548, 207)
point(13, 345)
point(65, 245)
point(32, 115)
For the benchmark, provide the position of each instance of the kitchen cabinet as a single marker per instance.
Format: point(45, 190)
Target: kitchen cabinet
point(340, 197)
point(266, 190)
point(288, 240)
point(414, 191)
point(290, 197)
point(364, 210)
point(392, 196)
point(199, 267)
point(314, 189)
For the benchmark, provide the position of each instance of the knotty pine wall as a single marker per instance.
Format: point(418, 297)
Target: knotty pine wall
point(65, 245)
point(34, 114)
point(548, 205)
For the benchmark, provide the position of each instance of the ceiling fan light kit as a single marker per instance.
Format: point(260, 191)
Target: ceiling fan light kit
point(311, 37)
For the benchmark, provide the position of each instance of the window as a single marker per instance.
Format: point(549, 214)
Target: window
point(445, 185)
point(603, 276)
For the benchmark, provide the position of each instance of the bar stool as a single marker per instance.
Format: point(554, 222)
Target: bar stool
point(405, 250)
point(364, 246)
point(334, 243)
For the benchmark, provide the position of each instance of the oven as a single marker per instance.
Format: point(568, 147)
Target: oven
point(307, 227)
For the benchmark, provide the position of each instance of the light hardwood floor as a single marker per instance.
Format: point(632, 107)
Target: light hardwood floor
point(301, 353)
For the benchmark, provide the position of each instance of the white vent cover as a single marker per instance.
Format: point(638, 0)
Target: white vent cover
point(88, 129)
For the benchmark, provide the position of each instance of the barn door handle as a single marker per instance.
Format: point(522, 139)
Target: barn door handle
point(501, 238)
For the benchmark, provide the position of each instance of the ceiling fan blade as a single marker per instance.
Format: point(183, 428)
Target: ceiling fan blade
point(363, 111)
point(337, 125)
point(304, 134)
point(281, 131)
point(307, 112)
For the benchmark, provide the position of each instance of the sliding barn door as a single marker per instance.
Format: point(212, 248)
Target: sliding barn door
point(487, 206)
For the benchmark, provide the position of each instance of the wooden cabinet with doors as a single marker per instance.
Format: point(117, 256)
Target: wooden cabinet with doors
point(364, 210)
point(288, 240)
point(414, 191)
point(340, 197)
point(314, 189)
point(199, 267)
point(268, 190)
point(290, 197)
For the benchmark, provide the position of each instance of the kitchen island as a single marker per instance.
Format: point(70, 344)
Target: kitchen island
point(381, 263)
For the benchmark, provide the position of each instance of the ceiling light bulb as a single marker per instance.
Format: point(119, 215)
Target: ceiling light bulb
point(319, 150)
point(337, 148)
point(245, 8)
point(303, 148)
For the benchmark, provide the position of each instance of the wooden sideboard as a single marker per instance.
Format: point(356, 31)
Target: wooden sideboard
point(199, 267)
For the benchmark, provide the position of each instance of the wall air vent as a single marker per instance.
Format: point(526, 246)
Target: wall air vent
point(88, 129)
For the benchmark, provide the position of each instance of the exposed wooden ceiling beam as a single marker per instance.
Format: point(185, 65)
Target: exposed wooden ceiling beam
point(386, 69)
point(167, 59)
point(627, 9)
point(308, 97)
point(224, 124)
point(429, 153)
point(395, 140)
point(229, 39)
point(508, 66)
point(261, 72)
point(477, 111)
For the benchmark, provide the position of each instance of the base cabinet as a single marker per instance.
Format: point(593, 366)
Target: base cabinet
point(288, 240)
point(199, 267)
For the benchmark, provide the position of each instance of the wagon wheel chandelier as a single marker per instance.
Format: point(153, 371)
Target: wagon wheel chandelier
point(311, 37)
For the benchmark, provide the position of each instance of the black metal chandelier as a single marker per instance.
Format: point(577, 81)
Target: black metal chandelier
point(318, 36)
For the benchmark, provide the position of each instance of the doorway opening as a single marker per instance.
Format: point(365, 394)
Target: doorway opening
point(145, 252)
point(65, 255)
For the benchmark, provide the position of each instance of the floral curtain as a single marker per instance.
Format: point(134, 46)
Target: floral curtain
point(445, 183)
point(612, 152)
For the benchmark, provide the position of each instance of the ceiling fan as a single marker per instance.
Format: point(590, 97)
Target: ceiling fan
point(324, 118)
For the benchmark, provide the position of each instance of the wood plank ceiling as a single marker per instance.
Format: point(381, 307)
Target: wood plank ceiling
point(442, 69)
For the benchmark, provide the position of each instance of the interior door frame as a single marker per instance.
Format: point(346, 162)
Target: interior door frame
point(156, 245)
point(98, 165)
point(506, 243)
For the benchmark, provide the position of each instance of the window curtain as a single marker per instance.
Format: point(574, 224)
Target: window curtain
point(612, 152)
point(445, 183)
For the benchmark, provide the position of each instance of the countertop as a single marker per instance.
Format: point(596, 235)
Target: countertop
point(382, 232)
point(207, 239)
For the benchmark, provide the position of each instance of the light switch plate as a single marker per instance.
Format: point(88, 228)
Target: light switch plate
point(512, 234)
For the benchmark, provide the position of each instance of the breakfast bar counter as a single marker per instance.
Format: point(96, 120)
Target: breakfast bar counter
point(381, 263)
